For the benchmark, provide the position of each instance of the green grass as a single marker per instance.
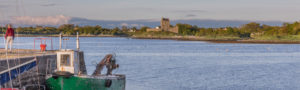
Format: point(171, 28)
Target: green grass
point(279, 38)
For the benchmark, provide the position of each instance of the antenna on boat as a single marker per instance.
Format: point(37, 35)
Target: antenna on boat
point(77, 42)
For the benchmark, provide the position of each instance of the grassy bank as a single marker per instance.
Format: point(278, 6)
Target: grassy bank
point(289, 39)
point(295, 39)
point(57, 35)
point(224, 39)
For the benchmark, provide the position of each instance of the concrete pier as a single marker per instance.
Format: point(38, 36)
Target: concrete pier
point(25, 67)
point(19, 53)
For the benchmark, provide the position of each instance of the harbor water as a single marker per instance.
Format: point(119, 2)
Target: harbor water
point(190, 65)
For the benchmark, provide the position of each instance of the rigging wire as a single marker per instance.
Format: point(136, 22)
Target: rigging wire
point(17, 37)
point(8, 67)
point(22, 7)
point(2, 22)
point(18, 6)
point(6, 54)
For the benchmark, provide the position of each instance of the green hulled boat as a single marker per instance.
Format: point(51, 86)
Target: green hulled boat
point(70, 73)
point(114, 82)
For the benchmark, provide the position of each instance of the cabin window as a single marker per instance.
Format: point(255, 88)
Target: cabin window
point(65, 60)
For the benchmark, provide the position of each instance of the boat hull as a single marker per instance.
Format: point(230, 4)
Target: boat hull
point(114, 82)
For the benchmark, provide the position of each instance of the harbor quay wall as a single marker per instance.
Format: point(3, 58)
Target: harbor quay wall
point(26, 71)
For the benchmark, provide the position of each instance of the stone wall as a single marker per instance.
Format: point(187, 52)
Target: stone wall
point(153, 30)
point(174, 29)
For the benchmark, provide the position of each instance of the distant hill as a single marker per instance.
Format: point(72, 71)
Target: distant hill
point(151, 23)
point(61, 19)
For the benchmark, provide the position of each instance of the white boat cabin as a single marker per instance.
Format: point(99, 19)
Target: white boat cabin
point(68, 61)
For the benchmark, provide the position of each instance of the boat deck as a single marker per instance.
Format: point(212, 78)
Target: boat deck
point(19, 53)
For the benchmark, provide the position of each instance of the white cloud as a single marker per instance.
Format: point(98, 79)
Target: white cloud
point(134, 25)
point(48, 5)
point(41, 20)
point(190, 15)
point(131, 25)
point(190, 11)
point(111, 25)
point(124, 24)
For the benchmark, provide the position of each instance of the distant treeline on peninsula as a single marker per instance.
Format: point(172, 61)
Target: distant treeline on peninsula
point(288, 31)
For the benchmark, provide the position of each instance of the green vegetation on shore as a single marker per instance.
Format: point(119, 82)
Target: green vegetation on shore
point(250, 31)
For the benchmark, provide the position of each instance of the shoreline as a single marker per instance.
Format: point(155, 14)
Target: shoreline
point(245, 41)
point(47, 35)
point(181, 38)
point(258, 42)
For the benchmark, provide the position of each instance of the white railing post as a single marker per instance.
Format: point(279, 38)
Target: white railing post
point(77, 42)
point(60, 37)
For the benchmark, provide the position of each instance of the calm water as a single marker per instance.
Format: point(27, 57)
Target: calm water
point(192, 65)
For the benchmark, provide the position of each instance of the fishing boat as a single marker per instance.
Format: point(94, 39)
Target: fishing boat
point(62, 69)
point(71, 73)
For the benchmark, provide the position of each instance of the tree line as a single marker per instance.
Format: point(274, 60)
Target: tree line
point(250, 30)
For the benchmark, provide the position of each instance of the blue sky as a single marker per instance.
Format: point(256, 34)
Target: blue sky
point(255, 10)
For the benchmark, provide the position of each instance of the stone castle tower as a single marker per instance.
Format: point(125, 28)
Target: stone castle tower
point(165, 24)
